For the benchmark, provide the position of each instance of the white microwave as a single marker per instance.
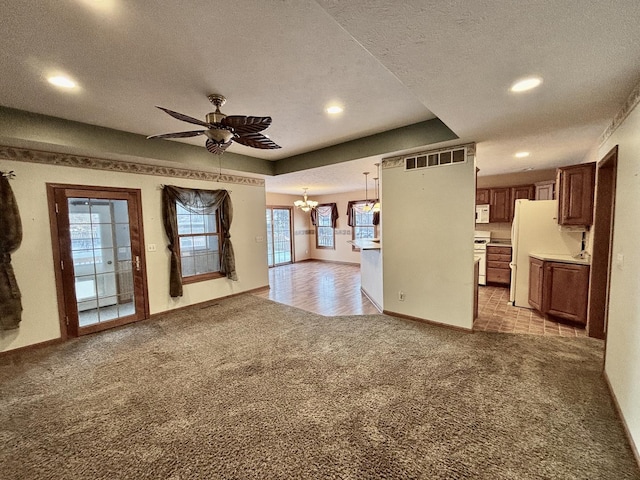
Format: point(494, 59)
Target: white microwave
point(482, 213)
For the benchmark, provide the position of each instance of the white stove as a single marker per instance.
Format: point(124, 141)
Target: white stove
point(480, 241)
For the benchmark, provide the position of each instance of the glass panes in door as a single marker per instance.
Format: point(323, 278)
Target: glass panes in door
point(279, 244)
point(102, 259)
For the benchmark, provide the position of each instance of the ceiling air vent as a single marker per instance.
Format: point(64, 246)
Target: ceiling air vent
point(436, 158)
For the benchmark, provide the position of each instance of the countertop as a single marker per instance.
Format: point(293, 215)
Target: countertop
point(366, 244)
point(553, 257)
point(498, 243)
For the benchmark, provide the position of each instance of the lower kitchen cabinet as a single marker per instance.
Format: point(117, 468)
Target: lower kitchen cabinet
point(559, 289)
point(498, 259)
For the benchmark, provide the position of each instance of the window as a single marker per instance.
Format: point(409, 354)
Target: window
point(325, 233)
point(199, 244)
point(363, 226)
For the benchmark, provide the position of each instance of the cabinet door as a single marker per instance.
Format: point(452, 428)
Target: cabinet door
point(500, 205)
point(535, 283)
point(545, 190)
point(482, 196)
point(575, 194)
point(565, 293)
point(526, 192)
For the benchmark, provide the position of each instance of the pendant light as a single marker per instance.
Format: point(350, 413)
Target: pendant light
point(367, 206)
point(376, 206)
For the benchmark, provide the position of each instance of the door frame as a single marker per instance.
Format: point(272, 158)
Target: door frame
point(52, 188)
point(602, 238)
point(291, 234)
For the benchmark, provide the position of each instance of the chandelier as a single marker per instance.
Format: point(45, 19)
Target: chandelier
point(305, 205)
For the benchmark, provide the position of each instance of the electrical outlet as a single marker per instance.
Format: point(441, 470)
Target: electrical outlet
point(259, 239)
point(151, 247)
point(401, 296)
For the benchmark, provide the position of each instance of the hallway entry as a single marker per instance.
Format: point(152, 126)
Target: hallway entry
point(99, 255)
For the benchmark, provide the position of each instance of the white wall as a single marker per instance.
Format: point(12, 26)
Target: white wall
point(33, 261)
point(427, 242)
point(622, 363)
point(302, 228)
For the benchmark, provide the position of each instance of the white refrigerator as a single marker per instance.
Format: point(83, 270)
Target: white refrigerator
point(535, 229)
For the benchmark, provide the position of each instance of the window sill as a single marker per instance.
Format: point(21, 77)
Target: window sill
point(201, 278)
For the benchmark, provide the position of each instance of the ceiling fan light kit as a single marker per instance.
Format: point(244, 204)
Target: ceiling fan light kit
point(222, 130)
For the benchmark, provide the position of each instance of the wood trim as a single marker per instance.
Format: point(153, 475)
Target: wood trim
point(33, 346)
point(428, 322)
point(208, 303)
point(634, 448)
point(604, 218)
point(53, 226)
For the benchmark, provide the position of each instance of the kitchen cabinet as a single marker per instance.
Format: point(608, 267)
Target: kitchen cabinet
point(545, 190)
point(482, 196)
point(576, 185)
point(498, 259)
point(559, 289)
point(500, 204)
point(526, 192)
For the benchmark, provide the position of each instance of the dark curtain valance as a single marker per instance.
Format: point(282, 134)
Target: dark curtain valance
point(357, 206)
point(325, 208)
point(198, 202)
point(10, 239)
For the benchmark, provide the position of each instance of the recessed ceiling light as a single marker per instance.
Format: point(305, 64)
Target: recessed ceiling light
point(522, 154)
point(334, 109)
point(62, 81)
point(526, 84)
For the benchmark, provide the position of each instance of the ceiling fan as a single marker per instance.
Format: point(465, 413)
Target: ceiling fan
point(223, 129)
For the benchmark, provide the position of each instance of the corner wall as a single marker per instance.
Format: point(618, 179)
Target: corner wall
point(622, 358)
point(428, 220)
point(33, 261)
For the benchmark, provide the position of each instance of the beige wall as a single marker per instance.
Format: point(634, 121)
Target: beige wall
point(302, 228)
point(622, 363)
point(427, 242)
point(343, 251)
point(513, 179)
point(33, 261)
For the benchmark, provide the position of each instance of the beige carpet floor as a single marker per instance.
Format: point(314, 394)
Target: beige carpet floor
point(249, 388)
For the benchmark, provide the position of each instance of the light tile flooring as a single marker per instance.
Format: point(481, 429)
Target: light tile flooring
point(334, 289)
point(496, 315)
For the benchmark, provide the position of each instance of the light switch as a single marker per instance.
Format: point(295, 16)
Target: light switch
point(259, 239)
point(620, 260)
point(151, 247)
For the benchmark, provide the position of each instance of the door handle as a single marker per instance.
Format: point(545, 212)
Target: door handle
point(137, 263)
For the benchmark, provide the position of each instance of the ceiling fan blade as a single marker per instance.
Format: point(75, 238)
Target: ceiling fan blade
point(242, 124)
point(217, 148)
point(193, 133)
point(256, 140)
point(184, 118)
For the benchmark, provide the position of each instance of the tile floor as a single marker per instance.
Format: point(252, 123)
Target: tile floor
point(495, 315)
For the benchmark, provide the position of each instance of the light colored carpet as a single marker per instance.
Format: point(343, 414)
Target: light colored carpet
point(250, 388)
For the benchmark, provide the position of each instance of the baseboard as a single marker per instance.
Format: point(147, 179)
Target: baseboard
point(33, 346)
point(634, 448)
point(428, 322)
point(375, 304)
point(331, 261)
point(208, 303)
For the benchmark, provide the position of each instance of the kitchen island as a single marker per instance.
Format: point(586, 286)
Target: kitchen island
point(370, 270)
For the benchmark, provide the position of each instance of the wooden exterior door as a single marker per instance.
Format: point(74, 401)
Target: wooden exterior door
point(98, 249)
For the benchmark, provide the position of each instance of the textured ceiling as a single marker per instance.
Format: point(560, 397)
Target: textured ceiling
point(390, 63)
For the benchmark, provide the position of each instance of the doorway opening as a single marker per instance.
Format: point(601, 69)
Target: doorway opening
point(98, 246)
point(279, 236)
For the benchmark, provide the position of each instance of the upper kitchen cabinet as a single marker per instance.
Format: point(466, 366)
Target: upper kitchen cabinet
point(575, 192)
point(500, 205)
point(522, 192)
point(545, 190)
point(482, 196)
